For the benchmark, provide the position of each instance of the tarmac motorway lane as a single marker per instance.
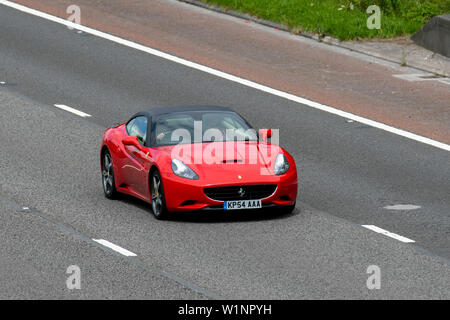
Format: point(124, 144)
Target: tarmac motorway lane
point(348, 173)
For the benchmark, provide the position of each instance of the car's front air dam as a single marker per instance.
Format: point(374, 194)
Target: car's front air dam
point(187, 195)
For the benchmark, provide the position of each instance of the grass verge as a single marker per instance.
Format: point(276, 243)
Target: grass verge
point(343, 19)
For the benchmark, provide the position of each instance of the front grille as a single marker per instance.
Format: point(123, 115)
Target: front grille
point(245, 192)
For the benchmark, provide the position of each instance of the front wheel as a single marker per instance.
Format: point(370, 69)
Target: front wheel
point(288, 209)
point(109, 186)
point(157, 194)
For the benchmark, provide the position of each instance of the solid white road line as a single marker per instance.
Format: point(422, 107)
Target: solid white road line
point(116, 248)
point(387, 233)
point(229, 77)
point(72, 110)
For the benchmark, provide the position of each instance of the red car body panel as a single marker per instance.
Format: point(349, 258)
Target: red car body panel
point(132, 167)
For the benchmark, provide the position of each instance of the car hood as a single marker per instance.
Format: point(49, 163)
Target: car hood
point(228, 162)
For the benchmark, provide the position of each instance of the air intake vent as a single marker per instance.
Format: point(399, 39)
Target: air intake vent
point(245, 192)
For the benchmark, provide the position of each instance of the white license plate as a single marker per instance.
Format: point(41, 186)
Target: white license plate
point(242, 204)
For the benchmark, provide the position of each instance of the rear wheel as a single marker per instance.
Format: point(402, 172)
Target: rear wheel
point(109, 186)
point(157, 194)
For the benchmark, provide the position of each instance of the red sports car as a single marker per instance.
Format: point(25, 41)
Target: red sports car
point(197, 158)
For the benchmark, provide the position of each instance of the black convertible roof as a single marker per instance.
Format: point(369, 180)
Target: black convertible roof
point(165, 110)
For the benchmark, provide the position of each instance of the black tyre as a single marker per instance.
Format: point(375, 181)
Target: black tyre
point(157, 193)
point(109, 184)
point(288, 209)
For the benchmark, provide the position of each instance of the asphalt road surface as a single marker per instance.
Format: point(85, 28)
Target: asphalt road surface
point(348, 174)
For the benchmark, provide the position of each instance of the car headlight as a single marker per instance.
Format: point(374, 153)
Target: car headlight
point(281, 164)
point(182, 170)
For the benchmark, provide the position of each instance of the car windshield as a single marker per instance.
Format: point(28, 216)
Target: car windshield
point(200, 126)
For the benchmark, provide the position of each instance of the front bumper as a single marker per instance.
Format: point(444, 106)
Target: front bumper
point(183, 195)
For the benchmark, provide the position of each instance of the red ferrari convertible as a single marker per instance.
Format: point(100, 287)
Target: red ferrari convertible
point(197, 158)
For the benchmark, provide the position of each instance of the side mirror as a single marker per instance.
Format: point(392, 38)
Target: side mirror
point(131, 141)
point(265, 134)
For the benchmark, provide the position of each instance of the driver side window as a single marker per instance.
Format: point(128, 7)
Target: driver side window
point(138, 128)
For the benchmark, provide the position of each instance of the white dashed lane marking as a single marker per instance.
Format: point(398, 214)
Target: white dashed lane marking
point(402, 207)
point(72, 110)
point(115, 247)
point(389, 234)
